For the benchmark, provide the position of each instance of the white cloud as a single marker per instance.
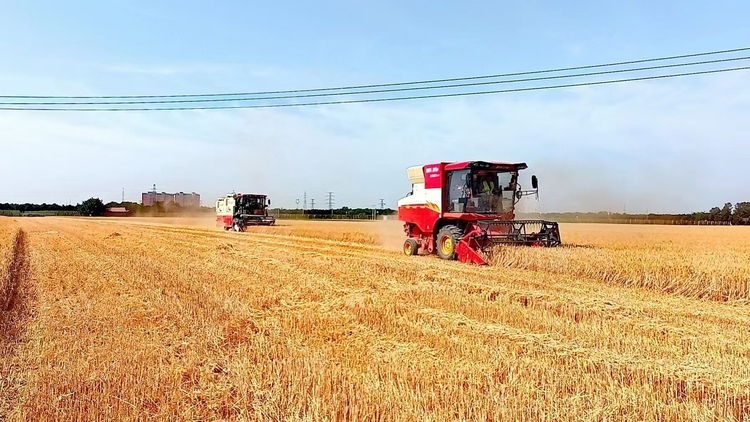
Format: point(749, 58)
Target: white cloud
point(191, 68)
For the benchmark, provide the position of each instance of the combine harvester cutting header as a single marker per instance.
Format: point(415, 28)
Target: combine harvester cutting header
point(237, 211)
point(460, 209)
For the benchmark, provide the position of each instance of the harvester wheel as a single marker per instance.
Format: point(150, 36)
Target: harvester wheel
point(447, 240)
point(411, 247)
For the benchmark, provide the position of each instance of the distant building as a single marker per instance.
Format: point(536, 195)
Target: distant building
point(185, 200)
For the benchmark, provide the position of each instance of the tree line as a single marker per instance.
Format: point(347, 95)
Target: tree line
point(96, 207)
point(158, 209)
point(738, 213)
point(36, 207)
point(343, 212)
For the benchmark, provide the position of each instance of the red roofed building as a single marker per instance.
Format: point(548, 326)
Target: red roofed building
point(116, 212)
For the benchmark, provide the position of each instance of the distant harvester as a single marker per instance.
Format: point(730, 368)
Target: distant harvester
point(236, 211)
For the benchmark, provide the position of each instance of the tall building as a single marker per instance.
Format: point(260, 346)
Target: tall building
point(185, 200)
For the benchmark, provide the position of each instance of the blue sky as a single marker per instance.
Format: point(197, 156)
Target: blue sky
point(673, 145)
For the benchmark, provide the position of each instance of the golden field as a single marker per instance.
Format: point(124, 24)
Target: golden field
point(154, 319)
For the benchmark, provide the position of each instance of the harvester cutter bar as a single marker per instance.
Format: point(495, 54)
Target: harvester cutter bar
point(521, 232)
point(486, 233)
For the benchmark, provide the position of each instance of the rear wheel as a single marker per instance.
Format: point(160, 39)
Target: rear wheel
point(447, 240)
point(411, 247)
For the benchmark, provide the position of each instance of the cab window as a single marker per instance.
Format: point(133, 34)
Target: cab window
point(458, 190)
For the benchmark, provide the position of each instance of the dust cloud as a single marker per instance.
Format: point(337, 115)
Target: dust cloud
point(390, 234)
point(632, 185)
point(574, 186)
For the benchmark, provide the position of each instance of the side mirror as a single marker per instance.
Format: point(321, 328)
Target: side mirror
point(269, 202)
point(534, 182)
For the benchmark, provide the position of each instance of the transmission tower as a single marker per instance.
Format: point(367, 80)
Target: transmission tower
point(330, 202)
point(382, 204)
point(304, 205)
point(312, 204)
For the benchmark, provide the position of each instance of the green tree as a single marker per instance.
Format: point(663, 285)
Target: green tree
point(714, 213)
point(726, 212)
point(741, 213)
point(91, 207)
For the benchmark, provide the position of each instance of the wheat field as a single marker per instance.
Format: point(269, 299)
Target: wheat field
point(154, 319)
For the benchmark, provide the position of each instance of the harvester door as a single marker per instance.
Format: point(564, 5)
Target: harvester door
point(459, 190)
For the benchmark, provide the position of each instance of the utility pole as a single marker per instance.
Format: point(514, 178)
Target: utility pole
point(123, 196)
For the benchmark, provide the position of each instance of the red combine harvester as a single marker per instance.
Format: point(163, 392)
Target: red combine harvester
point(236, 211)
point(458, 210)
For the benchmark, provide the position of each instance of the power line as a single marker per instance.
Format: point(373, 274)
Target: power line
point(431, 81)
point(373, 100)
point(380, 91)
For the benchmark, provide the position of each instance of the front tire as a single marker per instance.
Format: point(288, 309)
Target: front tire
point(447, 240)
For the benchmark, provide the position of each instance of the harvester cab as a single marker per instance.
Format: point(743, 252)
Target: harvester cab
point(460, 210)
point(237, 211)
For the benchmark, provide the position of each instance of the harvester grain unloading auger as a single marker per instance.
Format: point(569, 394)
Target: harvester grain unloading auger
point(460, 210)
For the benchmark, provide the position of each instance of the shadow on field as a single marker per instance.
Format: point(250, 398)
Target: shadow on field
point(12, 299)
point(15, 311)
